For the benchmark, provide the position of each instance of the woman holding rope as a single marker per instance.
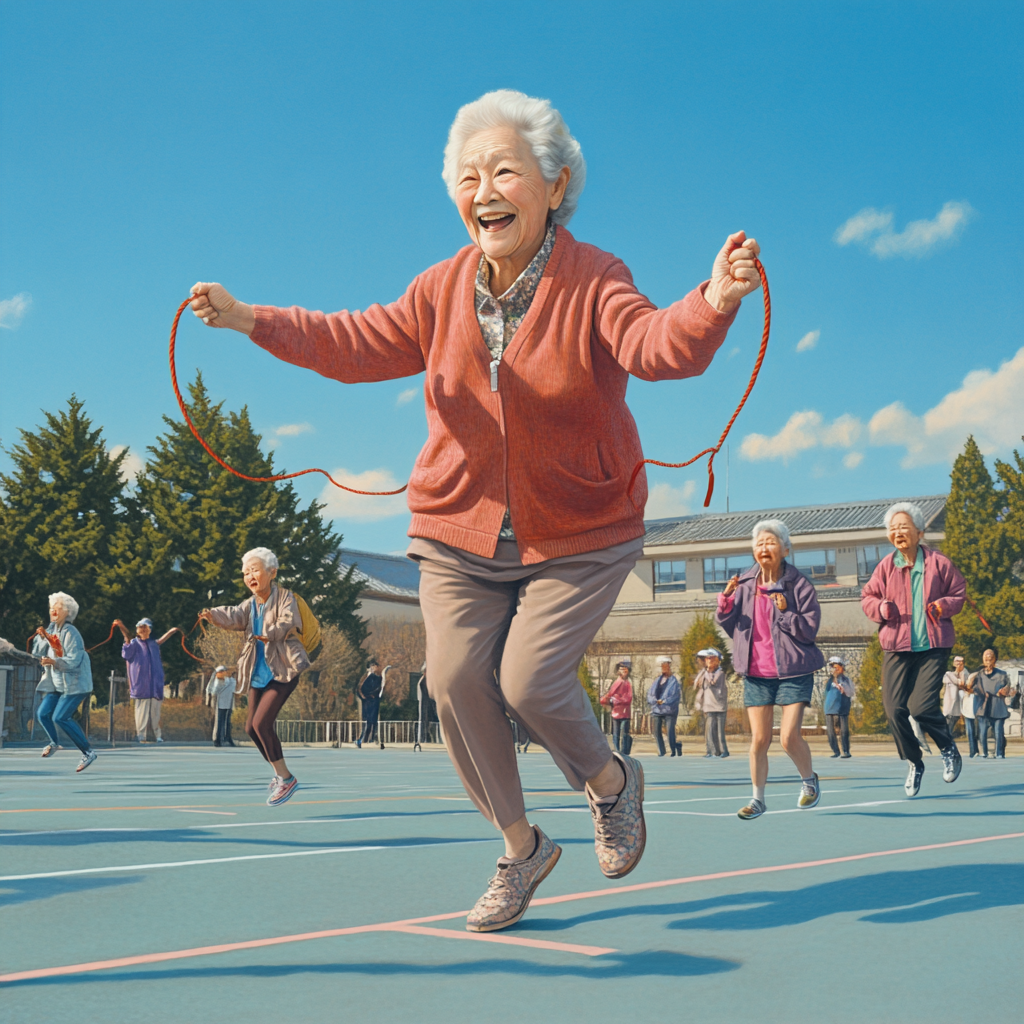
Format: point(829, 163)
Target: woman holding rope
point(145, 675)
point(523, 524)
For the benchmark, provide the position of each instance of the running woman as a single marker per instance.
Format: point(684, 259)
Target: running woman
point(271, 660)
point(67, 678)
point(772, 614)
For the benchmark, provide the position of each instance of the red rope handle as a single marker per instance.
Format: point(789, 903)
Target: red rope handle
point(216, 458)
point(52, 639)
point(743, 401)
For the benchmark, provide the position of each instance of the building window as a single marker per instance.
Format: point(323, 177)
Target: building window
point(818, 566)
point(718, 571)
point(868, 557)
point(669, 577)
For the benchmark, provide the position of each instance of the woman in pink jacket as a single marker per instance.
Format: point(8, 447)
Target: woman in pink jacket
point(620, 697)
point(522, 520)
point(913, 594)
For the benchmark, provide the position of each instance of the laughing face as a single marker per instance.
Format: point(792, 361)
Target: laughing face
point(503, 198)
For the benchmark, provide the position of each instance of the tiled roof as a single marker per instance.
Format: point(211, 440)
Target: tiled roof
point(394, 575)
point(801, 520)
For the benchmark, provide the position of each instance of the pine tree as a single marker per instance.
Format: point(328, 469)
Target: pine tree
point(196, 520)
point(61, 511)
point(703, 632)
point(971, 511)
point(868, 712)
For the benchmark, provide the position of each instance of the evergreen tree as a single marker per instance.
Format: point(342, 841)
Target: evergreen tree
point(196, 520)
point(971, 510)
point(703, 632)
point(61, 511)
point(868, 713)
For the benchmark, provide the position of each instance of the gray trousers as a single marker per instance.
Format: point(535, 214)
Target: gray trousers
point(503, 637)
point(714, 732)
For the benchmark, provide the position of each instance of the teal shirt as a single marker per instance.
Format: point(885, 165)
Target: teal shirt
point(261, 673)
point(918, 619)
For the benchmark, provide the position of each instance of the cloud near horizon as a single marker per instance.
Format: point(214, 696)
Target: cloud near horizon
point(873, 229)
point(987, 405)
point(407, 396)
point(133, 464)
point(13, 310)
point(363, 508)
point(664, 500)
point(808, 341)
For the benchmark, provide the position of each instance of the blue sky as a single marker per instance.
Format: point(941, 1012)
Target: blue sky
point(292, 151)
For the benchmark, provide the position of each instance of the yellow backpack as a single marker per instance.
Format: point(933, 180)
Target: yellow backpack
point(309, 636)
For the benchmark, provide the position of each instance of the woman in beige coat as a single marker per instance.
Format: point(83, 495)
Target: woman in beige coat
point(271, 660)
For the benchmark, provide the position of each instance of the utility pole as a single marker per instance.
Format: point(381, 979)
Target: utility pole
point(726, 478)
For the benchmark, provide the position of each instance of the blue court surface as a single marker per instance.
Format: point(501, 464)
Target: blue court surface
point(871, 908)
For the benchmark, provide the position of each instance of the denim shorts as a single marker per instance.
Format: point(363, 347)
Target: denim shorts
point(759, 693)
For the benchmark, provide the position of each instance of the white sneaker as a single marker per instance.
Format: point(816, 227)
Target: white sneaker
point(913, 784)
point(87, 760)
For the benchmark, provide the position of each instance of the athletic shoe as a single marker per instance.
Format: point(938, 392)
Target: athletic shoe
point(723, 756)
point(510, 890)
point(282, 791)
point(159, 739)
point(87, 759)
point(620, 833)
point(753, 810)
point(847, 754)
point(709, 755)
point(952, 762)
point(834, 755)
point(359, 744)
point(49, 750)
point(810, 794)
point(273, 784)
point(914, 775)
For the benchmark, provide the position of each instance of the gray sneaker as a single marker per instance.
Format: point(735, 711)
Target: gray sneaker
point(752, 810)
point(952, 762)
point(87, 759)
point(512, 887)
point(810, 794)
point(620, 833)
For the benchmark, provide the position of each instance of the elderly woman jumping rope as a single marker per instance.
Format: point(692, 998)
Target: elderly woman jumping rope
point(523, 522)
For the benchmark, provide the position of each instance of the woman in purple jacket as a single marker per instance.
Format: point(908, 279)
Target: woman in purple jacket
point(145, 675)
point(912, 594)
point(771, 612)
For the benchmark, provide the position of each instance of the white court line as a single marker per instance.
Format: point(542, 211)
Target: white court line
point(728, 814)
point(229, 860)
point(218, 825)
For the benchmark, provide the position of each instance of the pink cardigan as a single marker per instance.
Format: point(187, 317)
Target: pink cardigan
point(887, 600)
point(620, 696)
point(555, 443)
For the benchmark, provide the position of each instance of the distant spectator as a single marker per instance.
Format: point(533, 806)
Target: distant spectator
point(838, 699)
point(663, 698)
point(992, 685)
point(913, 595)
point(620, 697)
point(711, 697)
point(220, 691)
point(951, 690)
point(145, 676)
point(370, 688)
point(969, 702)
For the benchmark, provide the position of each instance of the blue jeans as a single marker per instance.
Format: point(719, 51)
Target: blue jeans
point(971, 728)
point(996, 725)
point(620, 735)
point(57, 709)
point(658, 723)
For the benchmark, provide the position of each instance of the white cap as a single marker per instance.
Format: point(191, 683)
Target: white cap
point(836, 660)
point(665, 658)
point(220, 668)
point(710, 652)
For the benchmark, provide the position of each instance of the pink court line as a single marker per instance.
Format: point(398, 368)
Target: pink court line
point(409, 924)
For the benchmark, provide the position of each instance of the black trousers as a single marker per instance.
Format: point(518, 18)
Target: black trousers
point(222, 733)
point(371, 709)
point(912, 685)
point(843, 721)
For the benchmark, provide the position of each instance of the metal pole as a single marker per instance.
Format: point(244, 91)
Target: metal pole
point(110, 708)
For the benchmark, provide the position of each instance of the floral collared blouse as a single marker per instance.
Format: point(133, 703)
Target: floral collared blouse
point(500, 317)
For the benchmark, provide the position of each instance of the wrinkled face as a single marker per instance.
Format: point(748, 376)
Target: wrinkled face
point(903, 534)
point(768, 550)
point(257, 576)
point(988, 659)
point(58, 613)
point(712, 663)
point(501, 194)
point(142, 631)
point(958, 664)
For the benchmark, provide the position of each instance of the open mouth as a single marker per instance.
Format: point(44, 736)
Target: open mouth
point(495, 221)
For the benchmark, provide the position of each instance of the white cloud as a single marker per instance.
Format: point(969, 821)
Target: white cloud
point(873, 228)
point(362, 507)
point(664, 500)
point(407, 396)
point(13, 309)
point(132, 465)
point(293, 429)
point(802, 431)
point(808, 341)
point(851, 460)
point(987, 404)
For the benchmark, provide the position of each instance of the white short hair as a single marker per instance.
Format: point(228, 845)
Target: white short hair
point(264, 555)
point(539, 125)
point(67, 602)
point(776, 527)
point(915, 513)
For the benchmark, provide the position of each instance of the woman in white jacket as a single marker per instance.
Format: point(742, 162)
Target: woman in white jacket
point(221, 693)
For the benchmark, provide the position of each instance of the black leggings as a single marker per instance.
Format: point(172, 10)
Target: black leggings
point(264, 706)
